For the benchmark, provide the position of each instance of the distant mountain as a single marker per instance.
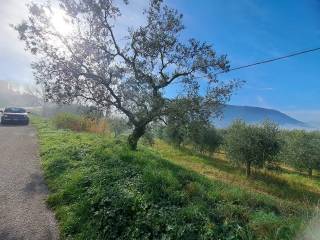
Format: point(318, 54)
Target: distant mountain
point(14, 95)
point(256, 115)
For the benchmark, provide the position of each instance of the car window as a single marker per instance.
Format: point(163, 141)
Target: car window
point(14, 110)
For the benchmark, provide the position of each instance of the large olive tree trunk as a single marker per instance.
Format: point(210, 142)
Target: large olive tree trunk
point(134, 137)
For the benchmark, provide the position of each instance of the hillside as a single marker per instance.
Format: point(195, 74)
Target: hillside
point(99, 189)
point(256, 115)
point(13, 95)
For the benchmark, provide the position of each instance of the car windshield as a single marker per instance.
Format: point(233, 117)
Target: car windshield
point(14, 110)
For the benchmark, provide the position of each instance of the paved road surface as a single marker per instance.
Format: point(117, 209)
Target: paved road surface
point(23, 212)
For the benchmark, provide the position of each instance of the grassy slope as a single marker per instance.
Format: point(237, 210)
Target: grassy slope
point(101, 190)
point(286, 185)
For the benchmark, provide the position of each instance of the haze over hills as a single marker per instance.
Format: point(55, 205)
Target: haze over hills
point(255, 115)
point(15, 95)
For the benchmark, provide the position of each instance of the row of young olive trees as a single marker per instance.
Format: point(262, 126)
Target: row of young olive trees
point(248, 145)
point(258, 145)
point(202, 137)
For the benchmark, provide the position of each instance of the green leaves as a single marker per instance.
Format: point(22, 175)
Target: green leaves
point(252, 144)
point(93, 65)
point(302, 150)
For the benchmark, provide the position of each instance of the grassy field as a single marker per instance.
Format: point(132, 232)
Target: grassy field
point(101, 190)
point(285, 184)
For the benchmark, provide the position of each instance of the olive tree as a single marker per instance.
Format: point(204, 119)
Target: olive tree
point(186, 117)
point(252, 145)
point(118, 125)
point(302, 150)
point(210, 139)
point(93, 64)
point(203, 137)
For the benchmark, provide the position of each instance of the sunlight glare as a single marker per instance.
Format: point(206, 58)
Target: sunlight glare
point(61, 22)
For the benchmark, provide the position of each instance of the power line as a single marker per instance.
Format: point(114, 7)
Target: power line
point(271, 60)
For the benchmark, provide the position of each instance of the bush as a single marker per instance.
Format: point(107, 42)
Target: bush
point(175, 134)
point(203, 136)
point(80, 124)
point(207, 139)
point(67, 121)
point(118, 126)
point(148, 137)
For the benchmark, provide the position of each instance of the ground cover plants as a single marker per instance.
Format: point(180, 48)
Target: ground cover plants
point(100, 189)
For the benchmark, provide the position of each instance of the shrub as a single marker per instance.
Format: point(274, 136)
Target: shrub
point(203, 136)
point(208, 139)
point(148, 137)
point(67, 121)
point(118, 125)
point(175, 134)
point(95, 125)
point(80, 124)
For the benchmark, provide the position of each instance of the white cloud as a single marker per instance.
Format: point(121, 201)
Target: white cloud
point(261, 102)
point(266, 89)
point(259, 88)
point(260, 99)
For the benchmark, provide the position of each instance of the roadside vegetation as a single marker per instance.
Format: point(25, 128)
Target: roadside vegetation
point(79, 123)
point(100, 189)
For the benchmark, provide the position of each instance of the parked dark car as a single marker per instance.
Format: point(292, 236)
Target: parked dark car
point(14, 115)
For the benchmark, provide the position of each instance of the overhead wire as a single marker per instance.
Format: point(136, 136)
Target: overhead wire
point(271, 60)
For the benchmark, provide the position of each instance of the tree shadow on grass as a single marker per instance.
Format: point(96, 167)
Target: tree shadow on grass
point(280, 187)
point(270, 183)
point(220, 164)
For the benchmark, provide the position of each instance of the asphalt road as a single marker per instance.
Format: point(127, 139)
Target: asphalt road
point(23, 212)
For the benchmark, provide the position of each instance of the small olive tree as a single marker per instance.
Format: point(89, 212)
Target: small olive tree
point(302, 150)
point(252, 145)
point(118, 125)
point(92, 64)
point(187, 121)
point(210, 139)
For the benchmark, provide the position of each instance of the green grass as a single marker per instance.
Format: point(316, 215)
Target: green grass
point(286, 185)
point(99, 189)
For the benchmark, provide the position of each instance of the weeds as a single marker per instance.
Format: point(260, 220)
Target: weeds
point(80, 124)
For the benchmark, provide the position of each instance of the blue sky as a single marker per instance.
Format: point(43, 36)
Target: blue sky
point(252, 30)
point(246, 30)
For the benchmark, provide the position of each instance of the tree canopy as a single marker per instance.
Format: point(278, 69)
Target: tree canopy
point(252, 145)
point(302, 150)
point(92, 65)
